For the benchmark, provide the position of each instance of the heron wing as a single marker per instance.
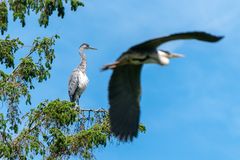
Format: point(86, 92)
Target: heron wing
point(154, 43)
point(124, 98)
point(73, 84)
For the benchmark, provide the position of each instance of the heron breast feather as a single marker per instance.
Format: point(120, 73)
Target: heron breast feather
point(83, 80)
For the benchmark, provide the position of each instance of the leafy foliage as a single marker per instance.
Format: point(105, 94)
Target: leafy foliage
point(54, 129)
point(21, 8)
point(20, 80)
point(3, 16)
point(5, 138)
point(57, 130)
point(7, 50)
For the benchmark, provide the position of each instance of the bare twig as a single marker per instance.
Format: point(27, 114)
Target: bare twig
point(94, 110)
point(100, 110)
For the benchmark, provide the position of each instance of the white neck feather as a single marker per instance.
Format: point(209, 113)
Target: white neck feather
point(83, 64)
point(163, 58)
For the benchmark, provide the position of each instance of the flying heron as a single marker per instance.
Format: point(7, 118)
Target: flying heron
point(78, 80)
point(124, 88)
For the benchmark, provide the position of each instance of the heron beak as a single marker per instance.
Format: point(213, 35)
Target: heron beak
point(92, 48)
point(174, 55)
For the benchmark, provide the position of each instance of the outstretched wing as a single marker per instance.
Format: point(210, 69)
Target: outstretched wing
point(154, 43)
point(72, 85)
point(124, 98)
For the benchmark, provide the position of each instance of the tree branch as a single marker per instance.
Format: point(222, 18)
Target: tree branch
point(16, 68)
point(101, 110)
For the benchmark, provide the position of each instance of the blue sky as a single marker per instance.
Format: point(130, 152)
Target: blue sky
point(191, 108)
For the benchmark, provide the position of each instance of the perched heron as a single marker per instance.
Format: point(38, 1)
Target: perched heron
point(78, 80)
point(124, 86)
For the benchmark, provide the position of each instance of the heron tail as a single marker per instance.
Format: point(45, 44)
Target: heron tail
point(110, 66)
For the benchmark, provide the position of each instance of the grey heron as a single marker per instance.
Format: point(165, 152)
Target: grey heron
point(78, 80)
point(124, 88)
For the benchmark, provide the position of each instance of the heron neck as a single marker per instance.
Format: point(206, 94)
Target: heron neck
point(83, 64)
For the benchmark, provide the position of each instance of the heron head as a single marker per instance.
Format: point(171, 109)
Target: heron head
point(164, 56)
point(86, 46)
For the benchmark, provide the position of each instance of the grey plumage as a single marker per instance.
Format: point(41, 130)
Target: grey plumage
point(124, 89)
point(78, 80)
